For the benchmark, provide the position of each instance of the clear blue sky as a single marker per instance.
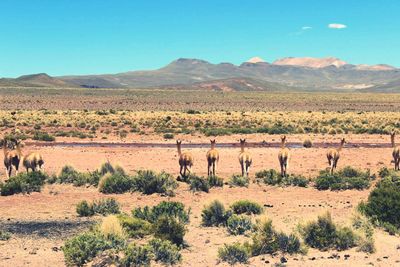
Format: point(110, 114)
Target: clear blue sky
point(109, 36)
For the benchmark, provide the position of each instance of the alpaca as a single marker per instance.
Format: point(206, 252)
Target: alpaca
point(33, 161)
point(185, 160)
point(12, 158)
point(333, 156)
point(244, 159)
point(284, 156)
point(212, 159)
point(396, 152)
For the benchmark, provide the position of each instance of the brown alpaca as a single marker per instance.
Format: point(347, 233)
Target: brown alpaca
point(284, 156)
point(244, 159)
point(185, 160)
point(212, 159)
point(333, 156)
point(12, 158)
point(396, 152)
point(33, 161)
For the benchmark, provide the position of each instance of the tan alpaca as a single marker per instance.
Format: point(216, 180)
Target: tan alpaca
point(284, 156)
point(333, 156)
point(212, 159)
point(244, 159)
point(185, 160)
point(12, 158)
point(395, 152)
point(33, 161)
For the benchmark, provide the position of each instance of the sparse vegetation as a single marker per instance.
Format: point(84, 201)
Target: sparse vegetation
point(238, 180)
point(149, 182)
point(23, 183)
point(103, 206)
point(235, 253)
point(165, 252)
point(246, 207)
point(115, 183)
point(239, 224)
point(215, 214)
point(272, 177)
point(165, 208)
point(198, 183)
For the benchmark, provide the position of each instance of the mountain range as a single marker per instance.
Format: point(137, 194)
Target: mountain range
point(253, 75)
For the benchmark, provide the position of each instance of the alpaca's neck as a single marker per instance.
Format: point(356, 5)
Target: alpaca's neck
point(212, 146)
point(283, 143)
point(179, 150)
point(340, 147)
point(242, 148)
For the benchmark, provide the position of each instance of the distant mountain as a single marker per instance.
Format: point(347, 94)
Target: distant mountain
point(390, 87)
point(35, 80)
point(287, 73)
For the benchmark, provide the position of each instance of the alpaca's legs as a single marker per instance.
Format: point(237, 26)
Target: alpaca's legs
point(180, 171)
point(213, 169)
point(208, 169)
point(242, 166)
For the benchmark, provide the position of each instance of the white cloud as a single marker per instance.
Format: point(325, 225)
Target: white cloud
point(337, 26)
point(304, 28)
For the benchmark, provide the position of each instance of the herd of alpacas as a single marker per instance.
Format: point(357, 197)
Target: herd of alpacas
point(13, 156)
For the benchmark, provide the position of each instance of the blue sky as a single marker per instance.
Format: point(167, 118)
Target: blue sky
point(103, 36)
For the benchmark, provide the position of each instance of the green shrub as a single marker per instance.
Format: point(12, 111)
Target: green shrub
point(82, 248)
point(84, 209)
point(115, 183)
point(289, 243)
point(246, 206)
point(238, 180)
point(106, 206)
point(135, 227)
point(215, 181)
point(168, 228)
point(215, 214)
point(43, 136)
point(324, 234)
point(149, 182)
point(107, 167)
point(239, 224)
point(272, 177)
point(235, 253)
point(68, 175)
point(198, 184)
point(169, 136)
point(383, 204)
point(265, 239)
point(164, 208)
point(347, 178)
point(137, 256)
point(165, 252)
point(23, 183)
point(4, 235)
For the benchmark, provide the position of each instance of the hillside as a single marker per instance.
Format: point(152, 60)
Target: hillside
point(35, 80)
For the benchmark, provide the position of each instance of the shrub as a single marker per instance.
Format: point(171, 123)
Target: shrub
point(115, 183)
point(215, 214)
point(198, 184)
point(169, 136)
point(165, 252)
point(307, 143)
point(238, 180)
point(149, 182)
point(272, 177)
point(347, 178)
point(246, 206)
point(43, 136)
point(106, 206)
point(82, 248)
point(84, 209)
point(135, 227)
point(324, 234)
point(214, 181)
point(69, 175)
point(235, 253)
point(168, 228)
point(164, 208)
point(239, 225)
point(4, 235)
point(289, 243)
point(107, 167)
point(265, 239)
point(137, 256)
point(111, 227)
point(23, 183)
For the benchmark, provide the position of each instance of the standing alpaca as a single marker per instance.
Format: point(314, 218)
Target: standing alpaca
point(212, 159)
point(244, 159)
point(395, 153)
point(284, 156)
point(11, 158)
point(185, 160)
point(333, 156)
point(33, 161)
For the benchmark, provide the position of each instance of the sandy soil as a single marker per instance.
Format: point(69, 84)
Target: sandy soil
point(41, 221)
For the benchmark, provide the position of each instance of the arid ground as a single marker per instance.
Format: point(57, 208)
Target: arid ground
point(40, 221)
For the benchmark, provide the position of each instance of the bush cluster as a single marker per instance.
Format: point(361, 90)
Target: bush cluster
point(347, 178)
point(239, 224)
point(103, 207)
point(234, 253)
point(215, 214)
point(23, 183)
point(149, 182)
point(272, 177)
point(246, 206)
point(239, 180)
